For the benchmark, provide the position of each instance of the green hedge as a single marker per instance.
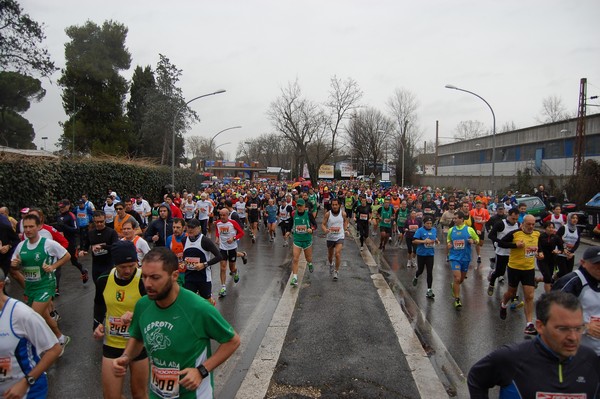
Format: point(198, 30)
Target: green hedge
point(42, 182)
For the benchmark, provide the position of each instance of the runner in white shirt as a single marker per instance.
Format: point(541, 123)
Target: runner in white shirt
point(188, 208)
point(25, 335)
point(141, 245)
point(335, 225)
point(142, 207)
point(228, 231)
point(240, 208)
point(204, 208)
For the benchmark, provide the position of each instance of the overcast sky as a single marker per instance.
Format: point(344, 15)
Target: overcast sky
point(512, 53)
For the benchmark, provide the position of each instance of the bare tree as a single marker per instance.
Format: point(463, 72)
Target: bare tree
point(369, 135)
point(268, 150)
point(313, 129)
point(553, 110)
point(508, 127)
point(466, 130)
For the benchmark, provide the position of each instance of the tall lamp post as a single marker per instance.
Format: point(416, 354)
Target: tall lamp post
point(212, 139)
point(493, 133)
point(173, 130)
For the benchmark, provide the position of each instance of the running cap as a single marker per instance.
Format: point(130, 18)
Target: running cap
point(64, 202)
point(25, 210)
point(81, 201)
point(123, 251)
point(300, 202)
point(592, 254)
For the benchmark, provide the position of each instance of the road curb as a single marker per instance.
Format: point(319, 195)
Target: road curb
point(258, 378)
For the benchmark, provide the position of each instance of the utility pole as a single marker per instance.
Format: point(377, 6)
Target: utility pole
point(580, 132)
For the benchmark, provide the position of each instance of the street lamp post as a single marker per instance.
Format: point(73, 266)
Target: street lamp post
point(173, 130)
point(212, 139)
point(493, 133)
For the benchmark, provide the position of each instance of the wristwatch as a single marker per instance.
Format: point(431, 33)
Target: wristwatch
point(203, 371)
point(30, 380)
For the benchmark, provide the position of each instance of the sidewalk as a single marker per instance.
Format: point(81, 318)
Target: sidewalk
point(347, 338)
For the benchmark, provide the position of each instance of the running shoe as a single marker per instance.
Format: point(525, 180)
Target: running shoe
point(271, 239)
point(430, 294)
point(502, 312)
point(244, 257)
point(479, 259)
point(516, 304)
point(361, 248)
point(457, 304)
point(253, 239)
point(222, 292)
point(490, 290)
point(335, 274)
point(415, 281)
point(236, 276)
point(310, 267)
point(285, 243)
point(294, 282)
point(64, 344)
point(501, 279)
point(530, 330)
point(85, 276)
point(409, 264)
point(414, 262)
point(331, 268)
point(56, 292)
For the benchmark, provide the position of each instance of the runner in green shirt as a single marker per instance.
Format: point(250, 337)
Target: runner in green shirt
point(176, 326)
point(302, 230)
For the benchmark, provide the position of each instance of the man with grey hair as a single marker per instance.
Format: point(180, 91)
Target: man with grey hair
point(584, 283)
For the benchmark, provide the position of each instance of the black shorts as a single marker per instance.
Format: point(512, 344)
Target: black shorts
point(482, 235)
point(332, 244)
point(516, 276)
point(202, 288)
point(110, 352)
point(252, 218)
point(228, 255)
point(286, 226)
point(387, 230)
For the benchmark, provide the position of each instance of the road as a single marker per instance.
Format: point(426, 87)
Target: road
point(454, 339)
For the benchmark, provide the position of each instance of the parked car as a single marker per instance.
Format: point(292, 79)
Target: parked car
point(535, 206)
point(592, 209)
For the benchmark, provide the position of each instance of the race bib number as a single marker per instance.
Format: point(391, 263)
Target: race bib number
point(458, 244)
point(192, 263)
point(364, 216)
point(550, 395)
point(253, 206)
point(387, 220)
point(165, 382)
point(301, 229)
point(429, 245)
point(97, 250)
point(5, 368)
point(32, 274)
point(117, 328)
point(413, 227)
point(531, 252)
point(478, 219)
point(283, 215)
point(82, 215)
point(224, 230)
point(334, 229)
point(427, 210)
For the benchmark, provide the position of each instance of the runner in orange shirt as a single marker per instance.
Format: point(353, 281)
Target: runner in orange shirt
point(480, 217)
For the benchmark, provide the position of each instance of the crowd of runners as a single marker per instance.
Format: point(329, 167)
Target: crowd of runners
point(137, 247)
